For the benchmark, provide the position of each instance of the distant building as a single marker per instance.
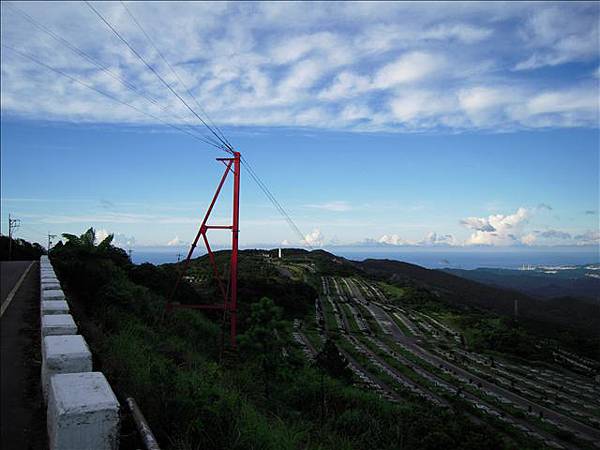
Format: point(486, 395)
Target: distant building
point(280, 253)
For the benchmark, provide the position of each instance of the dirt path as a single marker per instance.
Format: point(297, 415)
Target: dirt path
point(22, 418)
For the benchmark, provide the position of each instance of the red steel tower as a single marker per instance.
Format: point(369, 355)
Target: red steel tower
point(229, 291)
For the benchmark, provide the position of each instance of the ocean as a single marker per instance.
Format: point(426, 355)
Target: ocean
point(432, 258)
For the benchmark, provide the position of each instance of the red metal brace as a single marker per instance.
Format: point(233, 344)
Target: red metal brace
point(229, 295)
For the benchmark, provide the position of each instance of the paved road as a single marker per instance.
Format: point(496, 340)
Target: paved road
point(10, 272)
point(22, 421)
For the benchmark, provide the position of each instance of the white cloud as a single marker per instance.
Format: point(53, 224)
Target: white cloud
point(119, 239)
point(336, 206)
point(101, 235)
point(465, 33)
point(489, 105)
point(175, 242)
point(314, 238)
point(409, 67)
point(406, 67)
point(434, 239)
point(497, 229)
point(302, 75)
point(392, 239)
point(558, 35)
point(346, 85)
point(123, 241)
point(560, 237)
point(590, 237)
point(419, 105)
point(351, 113)
point(563, 102)
point(529, 239)
point(431, 240)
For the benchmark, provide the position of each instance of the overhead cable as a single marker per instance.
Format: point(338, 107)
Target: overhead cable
point(153, 70)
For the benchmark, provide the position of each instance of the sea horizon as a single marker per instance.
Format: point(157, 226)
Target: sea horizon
point(431, 258)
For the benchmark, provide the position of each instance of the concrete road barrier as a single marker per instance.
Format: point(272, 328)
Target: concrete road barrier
point(52, 295)
point(54, 307)
point(50, 285)
point(58, 325)
point(83, 413)
point(64, 354)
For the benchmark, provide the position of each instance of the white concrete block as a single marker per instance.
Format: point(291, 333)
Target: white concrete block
point(83, 413)
point(48, 279)
point(52, 295)
point(49, 285)
point(64, 354)
point(58, 325)
point(54, 307)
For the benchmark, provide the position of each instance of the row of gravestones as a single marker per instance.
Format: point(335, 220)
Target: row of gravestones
point(82, 410)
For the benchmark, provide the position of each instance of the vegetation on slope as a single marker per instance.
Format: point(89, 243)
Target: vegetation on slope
point(260, 398)
point(21, 250)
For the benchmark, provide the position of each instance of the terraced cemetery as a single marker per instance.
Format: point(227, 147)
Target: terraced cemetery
point(400, 352)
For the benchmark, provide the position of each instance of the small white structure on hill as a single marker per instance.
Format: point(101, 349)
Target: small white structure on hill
point(280, 253)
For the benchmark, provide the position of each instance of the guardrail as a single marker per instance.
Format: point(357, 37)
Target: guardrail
point(83, 412)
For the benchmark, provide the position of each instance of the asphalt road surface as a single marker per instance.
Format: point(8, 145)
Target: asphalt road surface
point(10, 272)
point(22, 420)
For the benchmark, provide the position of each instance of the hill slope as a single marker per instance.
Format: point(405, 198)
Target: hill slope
point(576, 282)
point(568, 312)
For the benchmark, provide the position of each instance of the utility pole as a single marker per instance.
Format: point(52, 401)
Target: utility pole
point(13, 224)
point(50, 237)
point(229, 290)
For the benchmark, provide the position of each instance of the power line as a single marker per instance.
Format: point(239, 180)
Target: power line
point(162, 80)
point(274, 201)
point(254, 176)
point(112, 97)
point(32, 230)
point(79, 51)
point(98, 64)
point(202, 110)
point(224, 143)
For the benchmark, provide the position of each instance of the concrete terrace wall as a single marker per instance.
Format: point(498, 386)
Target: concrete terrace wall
point(82, 409)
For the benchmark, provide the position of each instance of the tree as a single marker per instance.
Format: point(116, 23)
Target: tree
point(21, 249)
point(330, 361)
point(92, 268)
point(85, 247)
point(87, 241)
point(265, 339)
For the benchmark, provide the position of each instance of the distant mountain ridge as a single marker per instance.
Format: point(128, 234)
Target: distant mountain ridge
point(573, 313)
point(574, 281)
point(578, 315)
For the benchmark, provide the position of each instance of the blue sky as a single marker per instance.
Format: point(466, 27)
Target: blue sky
point(393, 125)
